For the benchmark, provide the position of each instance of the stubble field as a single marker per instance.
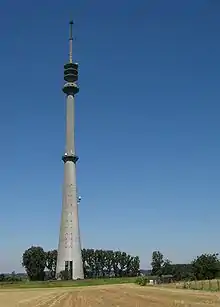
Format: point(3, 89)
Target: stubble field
point(111, 295)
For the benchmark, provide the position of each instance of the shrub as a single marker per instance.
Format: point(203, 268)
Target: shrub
point(66, 275)
point(142, 281)
point(187, 285)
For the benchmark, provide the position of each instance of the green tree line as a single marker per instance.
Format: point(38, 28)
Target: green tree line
point(41, 265)
point(13, 277)
point(205, 266)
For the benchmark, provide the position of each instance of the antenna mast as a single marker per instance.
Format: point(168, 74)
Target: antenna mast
point(71, 43)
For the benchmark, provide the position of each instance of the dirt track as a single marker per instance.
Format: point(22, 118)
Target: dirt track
point(123, 295)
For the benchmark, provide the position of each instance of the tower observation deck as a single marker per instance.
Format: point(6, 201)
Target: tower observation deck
point(69, 256)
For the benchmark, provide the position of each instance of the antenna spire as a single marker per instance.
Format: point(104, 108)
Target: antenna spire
point(71, 42)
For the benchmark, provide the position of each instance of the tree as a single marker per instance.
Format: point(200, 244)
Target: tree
point(134, 269)
point(157, 263)
point(109, 262)
point(34, 261)
point(85, 263)
point(167, 267)
point(90, 262)
point(51, 262)
point(116, 263)
point(99, 260)
point(206, 266)
point(105, 263)
point(124, 263)
point(96, 263)
point(182, 272)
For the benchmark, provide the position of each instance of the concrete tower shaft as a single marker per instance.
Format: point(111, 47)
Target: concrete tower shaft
point(69, 257)
point(70, 127)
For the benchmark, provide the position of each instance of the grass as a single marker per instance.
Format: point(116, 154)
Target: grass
point(68, 283)
point(204, 285)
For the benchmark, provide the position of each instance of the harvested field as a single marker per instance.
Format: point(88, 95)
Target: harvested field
point(121, 295)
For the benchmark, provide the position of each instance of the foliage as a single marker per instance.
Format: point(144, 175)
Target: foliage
point(157, 262)
point(10, 278)
point(159, 265)
point(182, 272)
point(142, 280)
point(51, 262)
point(65, 275)
point(206, 266)
point(96, 264)
point(107, 263)
point(34, 261)
point(167, 267)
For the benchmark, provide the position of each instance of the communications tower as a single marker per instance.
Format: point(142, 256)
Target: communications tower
point(69, 256)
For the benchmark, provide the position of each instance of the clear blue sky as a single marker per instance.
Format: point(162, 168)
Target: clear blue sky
point(147, 125)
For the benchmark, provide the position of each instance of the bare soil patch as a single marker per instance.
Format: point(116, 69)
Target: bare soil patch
point(106, 296)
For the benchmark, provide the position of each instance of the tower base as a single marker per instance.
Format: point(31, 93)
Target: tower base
point(68, 272)
point(69, 255)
